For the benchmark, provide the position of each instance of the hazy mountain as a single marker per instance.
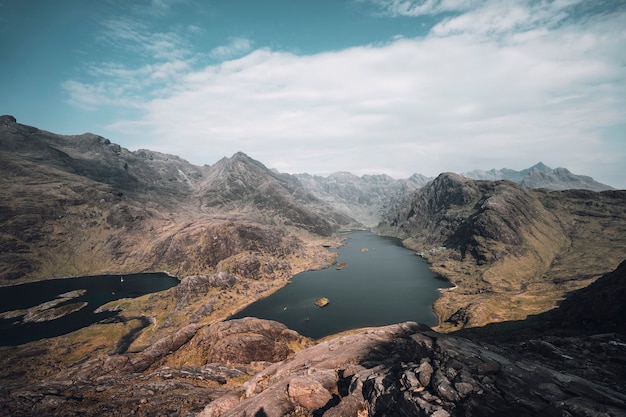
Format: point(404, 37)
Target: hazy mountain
point(366, 198)
point(540, 176)
point(370, 198)
point(507, 246)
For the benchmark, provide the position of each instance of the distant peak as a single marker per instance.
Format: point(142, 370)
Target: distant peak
point(540, 166)
point(240, 155)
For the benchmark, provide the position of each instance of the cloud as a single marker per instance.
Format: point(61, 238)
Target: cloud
point(132, 35)
point(478, 92)
point(120, 86)
point(497, 17)
point(236, 47)
point(416, 8)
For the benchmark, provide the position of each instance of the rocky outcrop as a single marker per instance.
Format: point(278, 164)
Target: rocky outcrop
point(244, 341)
point(409, 370)
point(161, 380)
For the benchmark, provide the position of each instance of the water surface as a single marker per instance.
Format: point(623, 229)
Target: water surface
point(381, 283)
point(62, 293)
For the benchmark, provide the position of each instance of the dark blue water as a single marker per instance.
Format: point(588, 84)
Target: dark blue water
point(99, 291)
point(384, 285)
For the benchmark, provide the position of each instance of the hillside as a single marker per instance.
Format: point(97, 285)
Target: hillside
point(510, 251)
point(81, 205)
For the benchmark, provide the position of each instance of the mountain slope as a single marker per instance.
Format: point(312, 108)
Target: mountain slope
point(80, 205)
point(511, 251)
point(241, 184)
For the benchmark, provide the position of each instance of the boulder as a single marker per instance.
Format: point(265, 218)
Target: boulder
point(308, 393)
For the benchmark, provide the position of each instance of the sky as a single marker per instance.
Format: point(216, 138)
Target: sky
point(367, 86)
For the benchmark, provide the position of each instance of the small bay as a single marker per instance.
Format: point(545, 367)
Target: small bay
point(31, 311)
point(376, 282)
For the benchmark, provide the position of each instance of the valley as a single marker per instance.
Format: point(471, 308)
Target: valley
point(236, 231)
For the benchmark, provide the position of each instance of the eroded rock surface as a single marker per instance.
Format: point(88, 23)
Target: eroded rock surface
point(410, 370)
point(253, 367)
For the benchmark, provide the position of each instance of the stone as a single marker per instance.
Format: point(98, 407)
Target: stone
point(410, 381)
point(425, 372)
point(219, 406)
point(308, 393)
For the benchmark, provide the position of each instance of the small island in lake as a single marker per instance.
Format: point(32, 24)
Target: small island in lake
point(340, 266)
point(322, 302)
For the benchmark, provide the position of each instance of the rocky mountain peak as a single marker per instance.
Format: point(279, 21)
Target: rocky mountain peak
point(540, 166)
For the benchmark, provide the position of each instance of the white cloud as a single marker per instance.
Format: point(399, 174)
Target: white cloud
point(422, 7)
point(131, 35)
point(235, 48)
point(497, 85)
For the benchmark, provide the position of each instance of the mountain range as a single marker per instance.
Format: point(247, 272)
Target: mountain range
point(540, 176)
point(236, 231)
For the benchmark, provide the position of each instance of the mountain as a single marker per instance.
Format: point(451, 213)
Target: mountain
point(366, 198)
point(540, 176)
point(241, 183)
point(510, 251)
point(542, 270)
point(370, 198)
point(77, 205)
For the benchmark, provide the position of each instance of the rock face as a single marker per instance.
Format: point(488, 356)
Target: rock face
point(469, 216)
point(540, 176)
point(409, 370)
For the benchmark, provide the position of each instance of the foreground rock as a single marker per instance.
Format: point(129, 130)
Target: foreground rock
point(253, 367)
point(177, 375)
point(410, 370)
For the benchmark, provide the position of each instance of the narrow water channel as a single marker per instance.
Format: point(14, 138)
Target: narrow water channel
point(381, 283)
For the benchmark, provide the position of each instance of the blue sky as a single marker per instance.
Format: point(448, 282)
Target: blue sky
point(367, 86)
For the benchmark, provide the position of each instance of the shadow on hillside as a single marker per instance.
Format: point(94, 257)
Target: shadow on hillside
point(596, 309)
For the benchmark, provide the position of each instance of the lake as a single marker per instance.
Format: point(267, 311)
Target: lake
point(381, 283)
point(23, 306)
